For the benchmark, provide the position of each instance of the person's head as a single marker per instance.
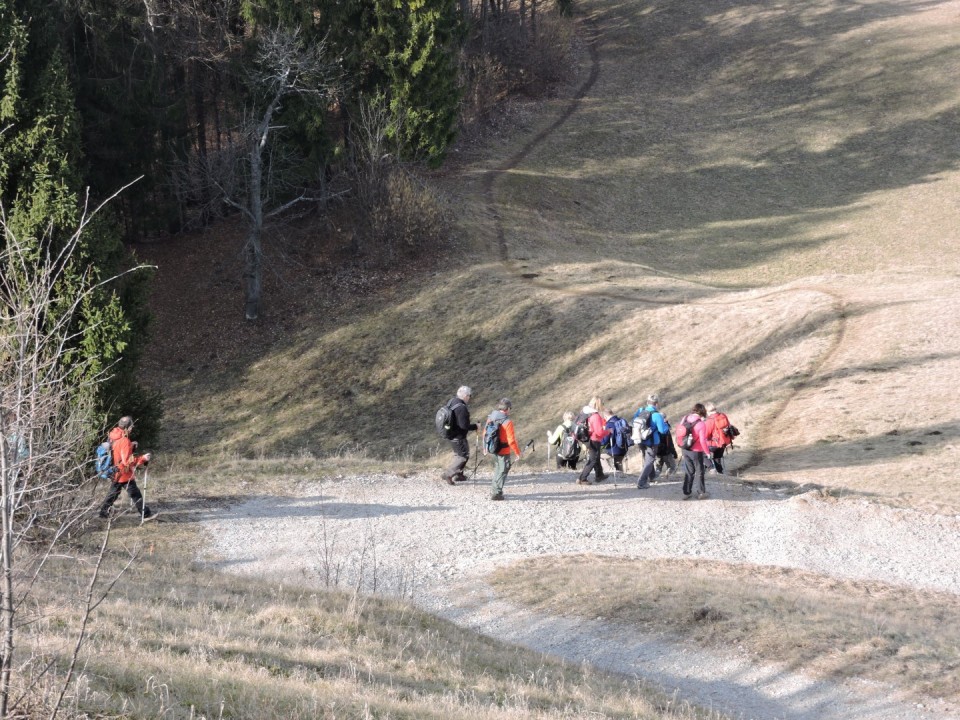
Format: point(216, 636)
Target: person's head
point(464, 393)
point(653, 399)
point(125, 423)
point(710, 408)
point(700, 410)
point(504, 405)
point(596, 402)
point(568, 416)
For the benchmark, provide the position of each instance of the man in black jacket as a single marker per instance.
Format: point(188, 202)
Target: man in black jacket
point(460, 425)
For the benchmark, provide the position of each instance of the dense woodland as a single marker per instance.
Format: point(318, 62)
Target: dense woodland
point(179, 112)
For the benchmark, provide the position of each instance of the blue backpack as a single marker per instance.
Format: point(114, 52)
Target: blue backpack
point(491, 436)
point(619, 441)
point(103, 460)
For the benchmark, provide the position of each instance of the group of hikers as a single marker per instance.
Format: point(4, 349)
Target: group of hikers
point(703, 435)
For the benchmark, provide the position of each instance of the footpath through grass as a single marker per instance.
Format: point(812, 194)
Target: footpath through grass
point(832, 628)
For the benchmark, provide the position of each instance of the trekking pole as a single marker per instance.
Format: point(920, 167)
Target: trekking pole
point(143, 495)
point(477, 457)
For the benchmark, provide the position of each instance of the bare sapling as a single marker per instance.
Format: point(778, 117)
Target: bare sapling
point(46, 414)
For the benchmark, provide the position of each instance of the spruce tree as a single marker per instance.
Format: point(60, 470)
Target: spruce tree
point(42, 201)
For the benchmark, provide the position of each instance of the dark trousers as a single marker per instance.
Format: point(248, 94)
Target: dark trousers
point(116, 488)
point(568, 462)
point(593, 462)
point(693, 469)
point(717, 454)
point(461, 454)
point(649, 458)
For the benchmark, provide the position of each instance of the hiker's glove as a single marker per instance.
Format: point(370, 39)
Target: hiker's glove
point(146, 458)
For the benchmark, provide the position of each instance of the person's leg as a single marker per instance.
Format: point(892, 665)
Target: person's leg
point(593, 461)
point(112, 494)
point(700, 465)
point(461, 454)
point(718, 459)
point(133, 490)
point(669, 462)
point(646, 474)
point(688, 471)
point(598, 472)
point(501, 464)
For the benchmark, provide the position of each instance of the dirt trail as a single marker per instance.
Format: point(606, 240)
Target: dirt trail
point(434, 544)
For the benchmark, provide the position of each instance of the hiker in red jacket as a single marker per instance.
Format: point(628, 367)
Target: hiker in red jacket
point(717, 427)
point(592, 415)
point(125, 462)
point(694, 452)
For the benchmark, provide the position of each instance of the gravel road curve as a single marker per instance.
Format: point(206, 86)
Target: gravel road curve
point(417, 537)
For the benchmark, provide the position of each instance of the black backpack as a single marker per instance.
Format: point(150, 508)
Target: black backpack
point(444, 420)
point(581, 427)
point(569, 446)
point(688, 438)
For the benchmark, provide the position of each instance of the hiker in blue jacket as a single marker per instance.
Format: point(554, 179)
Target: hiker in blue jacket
point(618, 441)
point(648, 426)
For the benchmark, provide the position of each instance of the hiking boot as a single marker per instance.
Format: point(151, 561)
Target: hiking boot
point(687, 497)
point(498, 496)
point(149, 515)
point(643, 487)
point(104, 515)
point(601, 479)
point(460, 477)
point(447, 479)
point(703, 495)
point(584, 481)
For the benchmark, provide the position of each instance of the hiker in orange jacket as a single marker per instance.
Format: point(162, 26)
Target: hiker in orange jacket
point(125, 463)
point(508, 444)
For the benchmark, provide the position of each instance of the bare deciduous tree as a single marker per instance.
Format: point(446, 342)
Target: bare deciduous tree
point(251, 176)
point(46, 405)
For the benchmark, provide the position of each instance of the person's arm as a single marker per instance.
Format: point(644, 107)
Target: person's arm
point(554, 437)
point(660, 424)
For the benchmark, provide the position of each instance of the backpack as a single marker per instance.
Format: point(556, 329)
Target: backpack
point(491, 436)
point(642, 427)
point(581, 427)
point(444, 421)
point(619, 437)
point(723, 431)
point(686, 442)
point(569, 446)
point(103, 460)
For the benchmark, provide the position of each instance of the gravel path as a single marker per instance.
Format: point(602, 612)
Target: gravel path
point(433, 543)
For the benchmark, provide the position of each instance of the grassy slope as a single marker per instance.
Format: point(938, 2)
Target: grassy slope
point(779, 181)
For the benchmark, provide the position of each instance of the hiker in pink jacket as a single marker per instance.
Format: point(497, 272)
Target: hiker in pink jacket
point(694, 449)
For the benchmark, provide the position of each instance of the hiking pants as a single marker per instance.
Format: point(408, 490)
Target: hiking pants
point(501, 466)
point(693, 467)
point(116, 488)
point(668, 461)
point(717, 454)
point(461, 454)
point(568, 462)
point(649, 458)
point(593, 462)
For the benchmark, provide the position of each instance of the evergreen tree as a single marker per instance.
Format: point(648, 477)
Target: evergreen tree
point(40, 196)
point(415, 44)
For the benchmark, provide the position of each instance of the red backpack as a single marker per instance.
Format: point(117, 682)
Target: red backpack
point(723, 431)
